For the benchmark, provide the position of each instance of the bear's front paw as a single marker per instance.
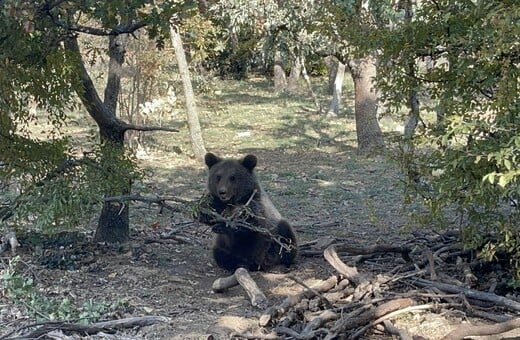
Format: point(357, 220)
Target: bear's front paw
point(220, 228)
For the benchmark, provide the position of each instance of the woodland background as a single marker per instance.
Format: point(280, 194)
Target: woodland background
point(376, 123)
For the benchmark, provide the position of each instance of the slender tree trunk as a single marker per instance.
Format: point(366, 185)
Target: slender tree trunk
point(335, 104)
point(413, 101)
point(308, 81)
point(280, 80)
point(294, 75)
point(197, 143)
point(369, 135)
point(332, 69)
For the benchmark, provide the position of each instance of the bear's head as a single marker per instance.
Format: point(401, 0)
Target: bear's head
point(231, 180)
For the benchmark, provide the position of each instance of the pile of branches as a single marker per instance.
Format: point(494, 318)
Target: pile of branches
point(432, 277)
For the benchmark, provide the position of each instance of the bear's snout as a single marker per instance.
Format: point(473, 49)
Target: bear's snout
point(223, 194)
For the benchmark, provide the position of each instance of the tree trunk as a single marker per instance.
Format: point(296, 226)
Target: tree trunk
point(116, 52)
point(113, 224)
point(294, 76)
point(280, 80)
point(335, 104)
point(413, 116)
point(332, 68)
point(369, 135)
point(197, 143)
point(308, 81)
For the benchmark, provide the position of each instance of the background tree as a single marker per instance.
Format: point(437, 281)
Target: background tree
point(463, 58)
point(197, 142)
point(346, 25)
point(51, 30)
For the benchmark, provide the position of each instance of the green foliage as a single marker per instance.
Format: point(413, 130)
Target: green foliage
point(57, 190)
point(44, 179)
point(466, 58)
point(23, 291)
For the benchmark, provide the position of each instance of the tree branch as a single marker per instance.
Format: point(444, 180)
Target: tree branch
point(469, 330)
point(127, 126)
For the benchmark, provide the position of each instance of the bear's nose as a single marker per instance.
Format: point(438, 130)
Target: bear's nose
point(222, 191)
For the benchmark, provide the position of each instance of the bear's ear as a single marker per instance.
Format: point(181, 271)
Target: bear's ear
point(211, 159)
point(249, 162)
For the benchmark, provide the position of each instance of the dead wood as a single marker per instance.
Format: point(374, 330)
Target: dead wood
point(350, 273)
point(380, 248)
point(103, 326)
point(431, 264)
point(401, 333)
point(470, 330)
point(223, 283)
point(324, 317)
point(390, 315)
point(470, 293)
point(241, 277)
point(275, 311)
point(257, 297)
point(315, 292)
point(157, 200)
point(469, 277)
point(370, 313)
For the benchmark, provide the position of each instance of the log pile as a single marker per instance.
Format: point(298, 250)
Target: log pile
point(352, 303)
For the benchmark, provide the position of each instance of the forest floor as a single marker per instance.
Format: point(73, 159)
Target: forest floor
point(308, 165)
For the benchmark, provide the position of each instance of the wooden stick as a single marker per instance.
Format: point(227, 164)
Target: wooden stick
point(350, 273)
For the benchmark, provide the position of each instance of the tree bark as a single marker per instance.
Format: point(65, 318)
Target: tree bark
point(332, 68)
point(369, 135)
point(308, 81)
point(197, 142)
point(280, 79)
point(335, 104)
point(294, 75)
point(116, 52)
point(113, 224)
point(413, 101)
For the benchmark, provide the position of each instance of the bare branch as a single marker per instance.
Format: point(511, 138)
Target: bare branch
point(159, 200)
point(147, 128)
point(469, 330)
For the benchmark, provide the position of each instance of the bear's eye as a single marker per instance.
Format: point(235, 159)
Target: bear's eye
point(219, 178)
point(231, 178)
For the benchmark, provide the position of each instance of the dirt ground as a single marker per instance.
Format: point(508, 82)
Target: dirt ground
point(166, 277)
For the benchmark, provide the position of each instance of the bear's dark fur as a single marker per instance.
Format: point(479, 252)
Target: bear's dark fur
point(232, 184)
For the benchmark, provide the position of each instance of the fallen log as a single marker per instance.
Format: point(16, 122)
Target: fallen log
point(470, 330)
point(470, 293)
point(241, 277)
point(103, 326)
point(257, 297)
point(223, 283)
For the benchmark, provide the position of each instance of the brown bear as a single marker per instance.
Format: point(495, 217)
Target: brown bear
point(233, 185)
